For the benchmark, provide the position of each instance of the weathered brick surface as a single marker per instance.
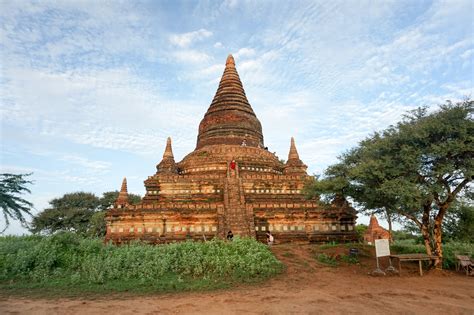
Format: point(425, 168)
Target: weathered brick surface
point(375, 231)
point(203, 196)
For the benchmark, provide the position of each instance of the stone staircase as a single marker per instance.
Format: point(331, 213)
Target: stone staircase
point(238, 216)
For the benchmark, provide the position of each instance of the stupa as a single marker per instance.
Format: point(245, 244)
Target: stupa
point(230, 182)
point(375, 232)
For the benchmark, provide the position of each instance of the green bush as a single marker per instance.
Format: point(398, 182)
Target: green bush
point(350, 259)
point(73, 259)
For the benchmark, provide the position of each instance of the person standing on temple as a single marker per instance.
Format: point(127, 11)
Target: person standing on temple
point(270, 238)
point(230, 236)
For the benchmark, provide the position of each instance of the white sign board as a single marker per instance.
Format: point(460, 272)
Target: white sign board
point(382, 248)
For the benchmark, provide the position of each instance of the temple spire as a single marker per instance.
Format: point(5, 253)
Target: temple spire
point(230, 119)
point(293, 154)
point(168, 150)
point(167, 164)
point(230, 62)
point(122, 198)
point(294, 165)
point(374, 223)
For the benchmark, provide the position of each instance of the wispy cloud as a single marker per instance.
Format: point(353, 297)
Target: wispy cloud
point(186, 39)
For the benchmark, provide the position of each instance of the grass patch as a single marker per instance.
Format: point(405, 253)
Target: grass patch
point(68, 264)
point(350, 259)
point(327, 260)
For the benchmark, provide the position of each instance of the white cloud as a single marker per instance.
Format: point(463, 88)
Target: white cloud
point(244, 52)
point(467, 54)
point(186, 39)
point(98, 166)
point(218, 45)
point(191, 56)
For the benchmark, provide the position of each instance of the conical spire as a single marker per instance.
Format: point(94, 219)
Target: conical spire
point(374, 223)
point(293, 155)
point(122, 198)
point(168, 150)
point(124, 188)
point(167, 164)
point(230, 119)
point(294, 165)
point(230, 62)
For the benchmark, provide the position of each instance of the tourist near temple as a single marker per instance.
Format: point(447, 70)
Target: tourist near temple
point(230, 182)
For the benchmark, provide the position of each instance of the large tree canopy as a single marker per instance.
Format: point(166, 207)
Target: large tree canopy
point(78, 212)
point(71, 212)
point(13, 206)
point(415, 169)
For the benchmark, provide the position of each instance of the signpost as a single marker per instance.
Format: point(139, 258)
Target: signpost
point(382, 249)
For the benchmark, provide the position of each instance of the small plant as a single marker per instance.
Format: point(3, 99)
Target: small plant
point(350, 259)
point(327, 260)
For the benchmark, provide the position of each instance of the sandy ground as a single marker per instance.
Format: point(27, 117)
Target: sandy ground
point(306, 287)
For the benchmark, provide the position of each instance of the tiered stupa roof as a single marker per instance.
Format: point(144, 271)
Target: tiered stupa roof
point(122, 198)
point(294, 165)
point(230, 119)
point(167, 164)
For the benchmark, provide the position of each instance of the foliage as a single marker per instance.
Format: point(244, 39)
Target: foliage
point(97, 226)
point(71, 260)
point(401, 235)
point(360, 230)
point(13, 206)
point(327, 260)
point(459, 223)
point(108, 198)
point(72, 212)
point(414, 170)
point(79, 212)
point(350, 259)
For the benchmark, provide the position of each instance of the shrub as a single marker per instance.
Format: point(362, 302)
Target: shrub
point(74, 259)
point(350, 259)
point(327, 260)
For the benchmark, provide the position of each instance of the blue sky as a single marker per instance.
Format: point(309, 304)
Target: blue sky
point(89, 90)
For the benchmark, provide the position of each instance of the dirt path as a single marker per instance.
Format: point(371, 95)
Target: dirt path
point(306, 288)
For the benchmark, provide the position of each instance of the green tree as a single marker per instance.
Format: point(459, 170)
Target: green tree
point(459, 222)
point(79, 212)
point(415, 169)
point(72, 212)
point(360, 230)
point(13, 206)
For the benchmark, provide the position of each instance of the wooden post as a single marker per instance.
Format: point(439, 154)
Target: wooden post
point(421, 269)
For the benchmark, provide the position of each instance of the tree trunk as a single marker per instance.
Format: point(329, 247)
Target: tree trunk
point(426, 239)
point(389, 220)
point(425, 227)
point(438, 245)
point(438, 233)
